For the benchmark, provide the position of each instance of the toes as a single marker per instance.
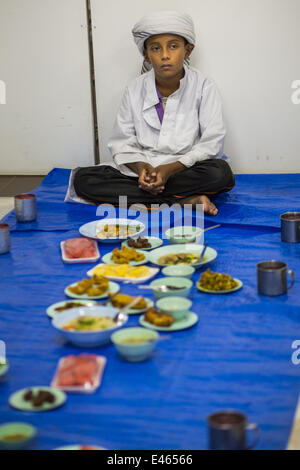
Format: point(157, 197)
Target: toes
point(212, 209)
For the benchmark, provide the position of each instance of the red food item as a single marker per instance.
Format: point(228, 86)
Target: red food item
point(78, 370)
point(79, 248)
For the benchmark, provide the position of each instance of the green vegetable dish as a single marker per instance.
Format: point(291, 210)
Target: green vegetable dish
point(216, 281)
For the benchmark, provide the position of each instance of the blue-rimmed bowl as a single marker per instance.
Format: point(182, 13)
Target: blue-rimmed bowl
point(13, 429)
point(87, 339)
point(184, 234)
point(184, 284)
point(180, 270)
point(135, 352)
point(177, 307)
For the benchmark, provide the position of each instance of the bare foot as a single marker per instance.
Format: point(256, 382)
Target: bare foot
point(209, 207)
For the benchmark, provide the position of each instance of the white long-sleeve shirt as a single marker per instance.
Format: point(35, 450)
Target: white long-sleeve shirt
point(192, 129)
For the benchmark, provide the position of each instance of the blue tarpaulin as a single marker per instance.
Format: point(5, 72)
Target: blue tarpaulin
point(237, 356)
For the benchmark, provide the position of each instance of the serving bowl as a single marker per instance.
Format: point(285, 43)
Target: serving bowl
point(91, 229)
point(12, 430)
point(179, 270)
point(87, 339)
point(184, 234)
point(193, 248)
point(177, 307)
point(183, 283)
point(135, 352)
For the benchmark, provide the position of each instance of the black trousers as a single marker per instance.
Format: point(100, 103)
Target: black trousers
point(104, 184)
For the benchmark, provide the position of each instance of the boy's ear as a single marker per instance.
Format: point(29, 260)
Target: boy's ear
point(146, 57)
point(188, 50)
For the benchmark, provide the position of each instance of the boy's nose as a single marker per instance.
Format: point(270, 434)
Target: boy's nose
point(164, 53)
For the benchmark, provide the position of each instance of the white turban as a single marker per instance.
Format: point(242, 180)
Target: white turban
point(163, 22)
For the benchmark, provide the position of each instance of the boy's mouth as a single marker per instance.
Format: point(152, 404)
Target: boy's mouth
point(166, 66)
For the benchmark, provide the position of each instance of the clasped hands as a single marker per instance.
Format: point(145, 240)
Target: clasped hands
point(153, 180)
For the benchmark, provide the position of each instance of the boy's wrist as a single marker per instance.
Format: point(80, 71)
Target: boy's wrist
point(137, 167)
point(171, 169)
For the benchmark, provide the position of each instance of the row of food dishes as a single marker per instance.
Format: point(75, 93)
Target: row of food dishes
point(86, 323)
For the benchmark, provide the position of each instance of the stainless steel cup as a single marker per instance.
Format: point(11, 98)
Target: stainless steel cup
point(290, 227)
point(227, 431)
point(25, 207)
point(272, 278)
point(4, 238)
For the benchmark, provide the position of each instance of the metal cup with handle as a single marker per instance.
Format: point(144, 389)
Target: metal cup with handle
point(228, 431)
point(272, 278)
point(290, 227)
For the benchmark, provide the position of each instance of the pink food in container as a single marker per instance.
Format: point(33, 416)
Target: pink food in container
point(81, 373)
point(79, 250)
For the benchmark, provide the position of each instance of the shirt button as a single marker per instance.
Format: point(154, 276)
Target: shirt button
point(164, 133)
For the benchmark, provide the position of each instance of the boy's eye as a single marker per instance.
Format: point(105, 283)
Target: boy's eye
point(174, 46)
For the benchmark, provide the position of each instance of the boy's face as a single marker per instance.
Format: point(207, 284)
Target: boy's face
point(166, 54)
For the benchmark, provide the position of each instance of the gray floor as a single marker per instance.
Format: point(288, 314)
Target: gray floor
point(12, 185)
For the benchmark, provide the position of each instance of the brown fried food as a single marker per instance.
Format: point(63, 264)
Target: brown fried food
point(125, 255)
point(121, 300)
point(98, 279)
point(157, 318)
point(69, 305)
point(97, 285)
point(28, 395)
point(38, 399)
point(81, 286)
point(100, 285)
point(94, 291)
point(138, 243)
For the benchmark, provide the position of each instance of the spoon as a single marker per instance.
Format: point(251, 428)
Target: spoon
point(121, 314)
point(193, 235)
point(162, 288)
point(202, 252)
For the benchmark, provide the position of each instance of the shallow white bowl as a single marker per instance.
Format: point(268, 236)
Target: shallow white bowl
point(155, 255)
point(135, 352)
point(179, 270)
point(92, 228)
point(87, 339)
point(177, 307)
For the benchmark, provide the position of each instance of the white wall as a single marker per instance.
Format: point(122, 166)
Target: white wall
point(250, 48)
point(47, 120)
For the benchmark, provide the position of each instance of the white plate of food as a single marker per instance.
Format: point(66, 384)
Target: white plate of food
point(126, 255)
point(124, 272)
point(90, 289)
point(143, 243)
point(59, 307)
point(121, 300)
point(112, 230)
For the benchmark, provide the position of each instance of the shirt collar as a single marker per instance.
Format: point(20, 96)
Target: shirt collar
point(152, 95)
